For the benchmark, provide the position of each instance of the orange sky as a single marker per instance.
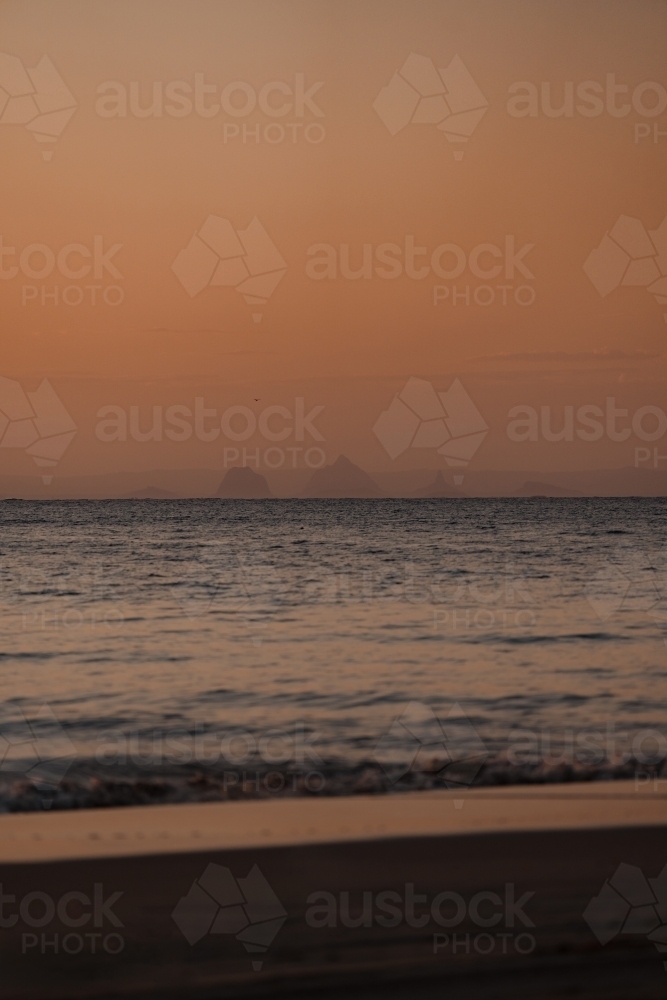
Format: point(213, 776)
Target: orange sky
point(149, 184)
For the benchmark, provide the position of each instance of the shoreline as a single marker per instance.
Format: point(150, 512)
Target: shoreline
point(88, 787)
point(195, 826)
point(538, 856)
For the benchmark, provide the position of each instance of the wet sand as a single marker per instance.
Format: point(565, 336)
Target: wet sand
point(558, 844)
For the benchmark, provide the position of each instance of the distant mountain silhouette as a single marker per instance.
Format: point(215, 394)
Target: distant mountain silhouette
point(438, 488)
point(534, 489)
point(243, 483)
point(193, 483)
point(150, 493)
point(341, 479)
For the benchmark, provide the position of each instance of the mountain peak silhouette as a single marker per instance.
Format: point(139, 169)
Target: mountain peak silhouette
point(243, 483)
point(532, 488)
point(438, 488)
point(341, 479)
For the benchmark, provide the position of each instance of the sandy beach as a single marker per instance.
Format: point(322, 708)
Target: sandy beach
point(333, 496)
point(479, 893)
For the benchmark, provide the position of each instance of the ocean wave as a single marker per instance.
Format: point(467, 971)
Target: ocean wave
point(99, 791)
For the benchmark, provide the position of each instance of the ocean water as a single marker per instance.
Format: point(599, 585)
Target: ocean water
point(172, 650)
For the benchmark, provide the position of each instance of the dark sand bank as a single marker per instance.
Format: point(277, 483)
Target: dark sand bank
point(538, 856)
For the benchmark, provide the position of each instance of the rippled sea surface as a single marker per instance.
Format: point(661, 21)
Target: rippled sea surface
point(165, 650)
